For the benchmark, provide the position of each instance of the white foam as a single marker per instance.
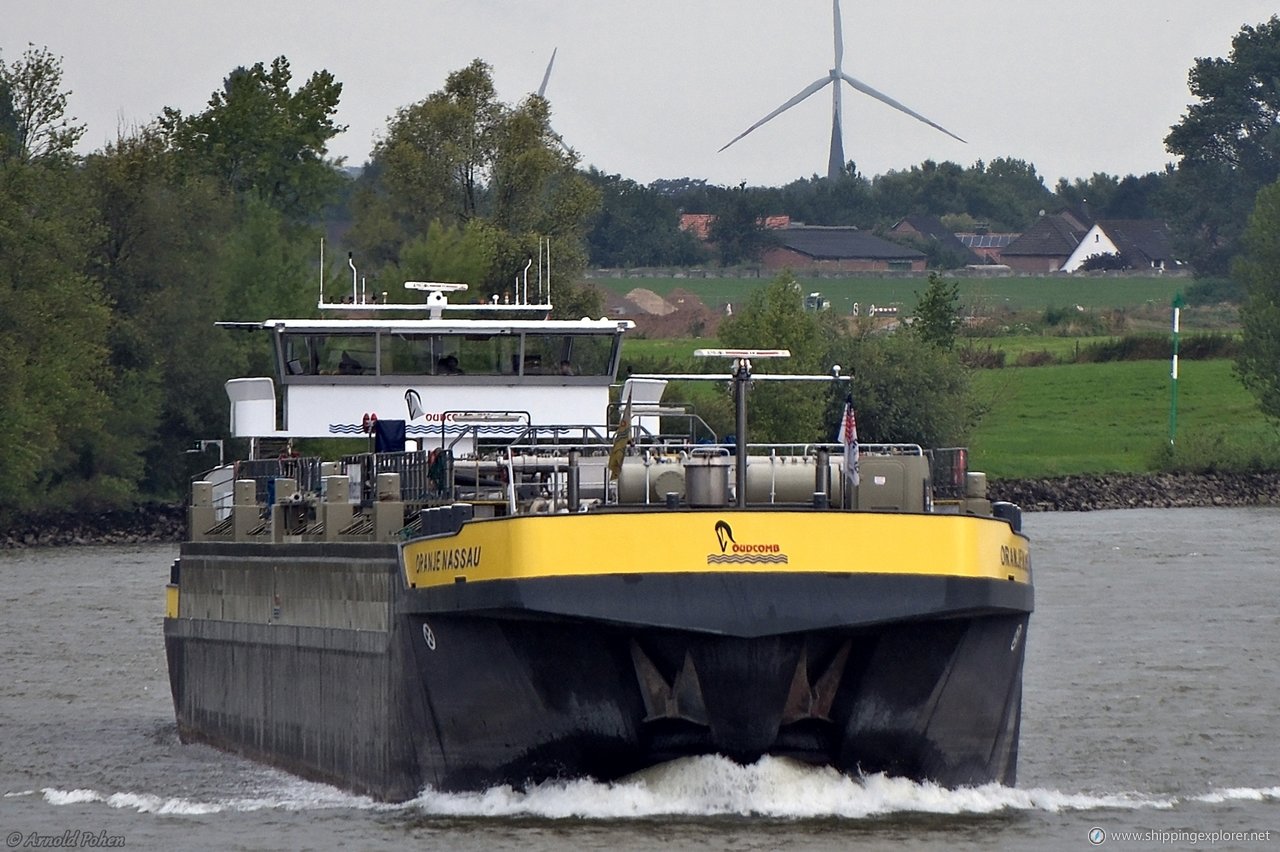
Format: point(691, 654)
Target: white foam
point(703, 786)
point(70, 797)
point(1235, 794)
point(294, 795)
point(773, 787)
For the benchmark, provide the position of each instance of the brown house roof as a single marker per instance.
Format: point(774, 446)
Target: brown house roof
point(931, 228)
point(839, 243)
point(1142, 241)
point(1051, 236)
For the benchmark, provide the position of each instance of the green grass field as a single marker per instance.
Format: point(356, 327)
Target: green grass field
point(1088, 418)
point(1101, 418)
point(1056, 419)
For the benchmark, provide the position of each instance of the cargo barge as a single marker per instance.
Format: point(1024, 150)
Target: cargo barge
point(524, 572)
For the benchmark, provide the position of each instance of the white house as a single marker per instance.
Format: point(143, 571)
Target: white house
point(1142, 243)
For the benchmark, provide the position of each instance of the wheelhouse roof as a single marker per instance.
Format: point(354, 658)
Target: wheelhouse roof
point(436, 326)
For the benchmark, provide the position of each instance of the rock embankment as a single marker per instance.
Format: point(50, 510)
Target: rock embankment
point(167, 524)
point(1139, 491)
point(144, 524)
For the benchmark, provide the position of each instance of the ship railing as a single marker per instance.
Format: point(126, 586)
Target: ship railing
point(950, 467)
point(306, 472)
point(534, 477)
point(422, 475)
point(676, 423)
point(537, 458)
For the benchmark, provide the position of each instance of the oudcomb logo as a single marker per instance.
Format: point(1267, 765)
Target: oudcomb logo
point(737, 554)
point(724, 533)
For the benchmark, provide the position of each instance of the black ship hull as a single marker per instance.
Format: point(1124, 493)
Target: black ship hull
point(467, 686)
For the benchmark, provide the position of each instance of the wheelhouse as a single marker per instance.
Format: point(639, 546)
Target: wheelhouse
point(322, 351)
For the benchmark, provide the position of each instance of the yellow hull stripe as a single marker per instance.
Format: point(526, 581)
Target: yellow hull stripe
point(720, 542)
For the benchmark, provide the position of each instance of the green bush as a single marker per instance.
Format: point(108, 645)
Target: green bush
point(1200, 347)
point(1219, 451)
point(981, 359)
point(1132, 347)
point(1157, 347)
point(1215, 291)
point(1055, 316)
point(1035, 359)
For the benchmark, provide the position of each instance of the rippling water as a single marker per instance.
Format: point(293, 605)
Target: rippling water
point(1151, 688)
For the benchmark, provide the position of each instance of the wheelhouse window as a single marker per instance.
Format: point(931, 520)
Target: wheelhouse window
point(409, 354)
point(403, 353)
point(568, 354)
point(484, 354)
point(330, 355)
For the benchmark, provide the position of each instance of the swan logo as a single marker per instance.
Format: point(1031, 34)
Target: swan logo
point(724, 534)
point(733, 553)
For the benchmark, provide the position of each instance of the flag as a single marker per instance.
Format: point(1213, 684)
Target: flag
point(848, 435)
point(620, 440)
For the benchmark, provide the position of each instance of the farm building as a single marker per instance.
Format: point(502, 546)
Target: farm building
point(839, 249)
point(1046, 245)
point(1133, 243)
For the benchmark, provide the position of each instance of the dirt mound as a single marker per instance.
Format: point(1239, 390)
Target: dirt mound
point(688, 317)
point(650, 302)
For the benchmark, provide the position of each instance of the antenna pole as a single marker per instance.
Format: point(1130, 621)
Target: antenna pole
point(322, 270)
point(741, 376)
point(351, 262)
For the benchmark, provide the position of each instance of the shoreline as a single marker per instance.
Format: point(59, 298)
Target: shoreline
point(1093, 492)
point(159, 523)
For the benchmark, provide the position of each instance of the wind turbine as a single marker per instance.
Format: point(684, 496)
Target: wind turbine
point(546, 77)
point(832, 78)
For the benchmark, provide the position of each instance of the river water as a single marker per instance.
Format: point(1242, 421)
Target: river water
point(1151, 691)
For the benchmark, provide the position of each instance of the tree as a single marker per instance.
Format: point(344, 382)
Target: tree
point(1235, 121)
point(637, 226)
point(55, 429)
point(169, 256)
point(936, 318)
point(446, 253)
point(1109, 197)
point(33, 120)
point(1258, 363)
point(774, 318)
point(738, 231)
point(1104, 262)
point(1228, 144)
point(436, 155)
point(904, 390)
point(460, 158)
point(259, 137)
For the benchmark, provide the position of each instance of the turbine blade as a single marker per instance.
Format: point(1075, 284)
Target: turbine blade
point(542, 90)
point(801, 95)
point(885, 99)
point(835, 8)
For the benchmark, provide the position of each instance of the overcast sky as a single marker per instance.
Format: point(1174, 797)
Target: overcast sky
point(653, 88)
